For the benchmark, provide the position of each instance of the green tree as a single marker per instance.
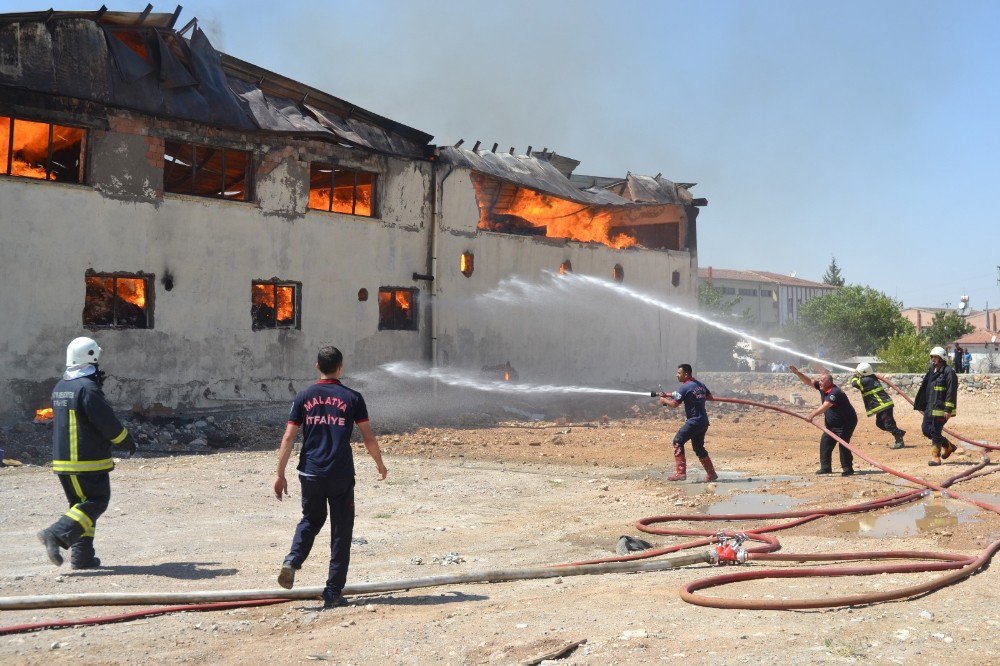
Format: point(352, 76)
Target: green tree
point(852, 320)
point(832, 275)
point(905, 352)
point(718, 350)
point(946, 327)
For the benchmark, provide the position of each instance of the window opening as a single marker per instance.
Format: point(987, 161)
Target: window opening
point(275, 304)
point(362, 294)
point(675, 279)
point(618, 273)
point(40, 150)
point(118, 300)
point(205, 171)
point(565, 267)
point(397, 308)
point(467, 264)
point(341, 190)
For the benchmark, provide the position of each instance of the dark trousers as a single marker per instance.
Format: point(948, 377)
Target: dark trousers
point(887, 422)
point(694, 433)
point(88, 496)
point(318, 493)
point(932, 427)
point(827, 444)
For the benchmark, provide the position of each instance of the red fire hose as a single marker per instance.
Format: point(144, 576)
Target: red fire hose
point(960, 565)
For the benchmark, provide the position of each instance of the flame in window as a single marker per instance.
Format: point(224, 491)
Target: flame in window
point(44, 414)
point(404, 300)
point(30, 154)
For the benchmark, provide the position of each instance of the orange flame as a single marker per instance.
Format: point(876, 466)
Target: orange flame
point(263, 295)
point(506, 376)
point(403, 300)
point(43, 415)
point(31, 145)
point(132, 290)
point(560, 218)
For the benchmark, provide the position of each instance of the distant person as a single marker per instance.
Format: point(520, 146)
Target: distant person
point(877, 402)
point(839, 418)
point(937, 398)
point(326, 412)
point(967, 362)
point(84, 431)
point(693, 395)
point(959, 359)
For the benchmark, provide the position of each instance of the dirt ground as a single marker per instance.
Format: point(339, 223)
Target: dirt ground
point(515, 494)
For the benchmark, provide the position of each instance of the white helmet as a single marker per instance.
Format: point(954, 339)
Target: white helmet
point(82, 351)
point(865, 368)
point(940, 352)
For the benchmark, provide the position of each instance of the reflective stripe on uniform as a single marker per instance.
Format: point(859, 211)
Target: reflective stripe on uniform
point(941, 412)
point(74, 466)
point(76, 486)
point(83, 519)
point(121, 437)
point(880, 408)
point(73, 454)
point(940, 388)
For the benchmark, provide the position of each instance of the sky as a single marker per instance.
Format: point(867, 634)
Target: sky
point(865, 131)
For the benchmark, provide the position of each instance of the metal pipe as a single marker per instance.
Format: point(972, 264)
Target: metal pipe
point(488, 576)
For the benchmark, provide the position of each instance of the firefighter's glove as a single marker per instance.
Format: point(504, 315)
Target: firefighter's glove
point(129, 445)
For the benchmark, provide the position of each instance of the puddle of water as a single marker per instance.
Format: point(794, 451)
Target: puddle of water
point(727, 482)
point(753, 503)
point(928, 514)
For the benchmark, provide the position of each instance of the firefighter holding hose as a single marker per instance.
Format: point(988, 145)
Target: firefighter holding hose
point(937, 398)
point(839, 418)
point(877, 402)
point(84, 431)
point(693, 395)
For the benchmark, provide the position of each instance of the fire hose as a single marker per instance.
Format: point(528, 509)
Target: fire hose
point(729, 551)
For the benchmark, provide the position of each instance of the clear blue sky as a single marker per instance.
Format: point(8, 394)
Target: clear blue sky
point(864, 130)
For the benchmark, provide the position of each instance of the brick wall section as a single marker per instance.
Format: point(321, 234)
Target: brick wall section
point(270, 160)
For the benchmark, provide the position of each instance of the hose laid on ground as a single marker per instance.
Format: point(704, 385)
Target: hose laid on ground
point(963, 565)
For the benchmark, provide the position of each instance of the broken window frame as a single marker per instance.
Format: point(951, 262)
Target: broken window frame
point(8, 165)
point(334, 169)
point(394, 323)
point(194, 166)
point(274, 283)
point(150, 281)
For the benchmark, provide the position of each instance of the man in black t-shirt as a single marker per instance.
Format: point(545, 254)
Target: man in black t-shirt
point(326, 412)
point(839, 418)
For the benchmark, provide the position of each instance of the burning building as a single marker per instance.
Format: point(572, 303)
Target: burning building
point(212, 223)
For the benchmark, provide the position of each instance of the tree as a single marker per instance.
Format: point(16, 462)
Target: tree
point(718, 350)
point(946, 327)
point(853, 320)
point(832, 275)
point(905, 352)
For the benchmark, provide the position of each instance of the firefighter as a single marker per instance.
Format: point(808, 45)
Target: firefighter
point(839, 418)
point(693, 395)
point(937, 398)
point(326, 412)
point(877, 402)
point(85, 429)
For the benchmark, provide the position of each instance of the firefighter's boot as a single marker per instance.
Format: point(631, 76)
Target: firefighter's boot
point(710, 474)
point(947, 450)
point(898, 444)
point(680, 473)
point(82, 554)
point(52, 546)
point(935, 456)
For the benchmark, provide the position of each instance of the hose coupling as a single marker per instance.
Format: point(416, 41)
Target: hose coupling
point(730, 550)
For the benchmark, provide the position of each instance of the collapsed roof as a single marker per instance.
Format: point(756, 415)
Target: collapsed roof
point(138, 61)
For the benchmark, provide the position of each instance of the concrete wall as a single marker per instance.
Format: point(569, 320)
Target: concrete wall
point(202, 345)
point(594, 336)
point(203, 352)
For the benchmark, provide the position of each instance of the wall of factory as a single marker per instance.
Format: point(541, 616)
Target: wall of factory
point(586, 338)
point(202, 348)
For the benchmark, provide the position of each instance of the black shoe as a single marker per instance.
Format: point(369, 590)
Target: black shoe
point(286, 577)
point(82, 554)
point(336, 602)
point(52, 546)
point(847, 472)
point(897, 445)
point(823, 471)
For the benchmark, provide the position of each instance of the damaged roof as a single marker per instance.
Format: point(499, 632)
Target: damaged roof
point(538, 173)
point(138, 61)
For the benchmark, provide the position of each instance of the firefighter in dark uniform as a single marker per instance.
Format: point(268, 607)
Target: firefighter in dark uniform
point(937, 398)
point(326, 412)
point(85, 429)
point(839, 418)
point(692, 394)
point(877, 402)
